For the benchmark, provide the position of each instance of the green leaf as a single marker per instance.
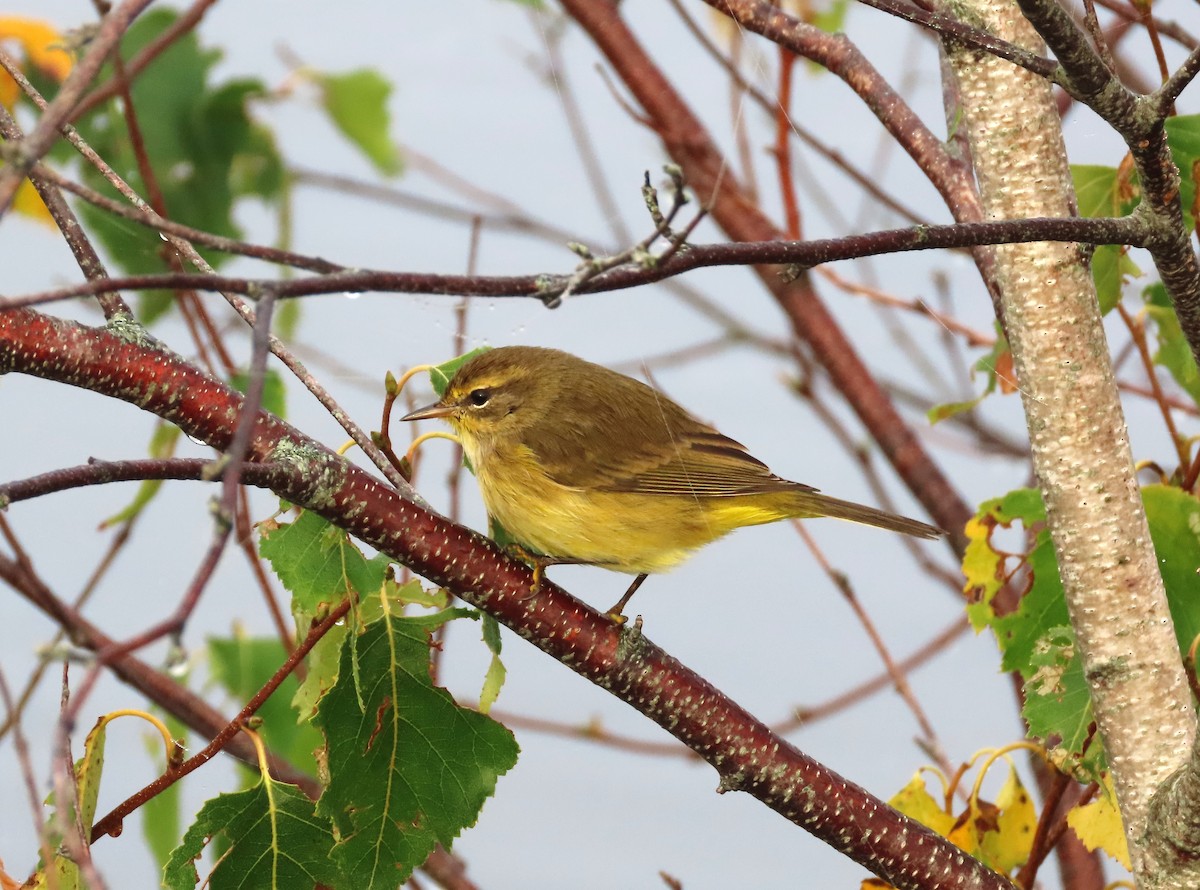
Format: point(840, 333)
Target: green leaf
point(163, 98)
point(412, 770)
point(241, 665)
point(357, 104)
point(232, 147)
point(938, 413)
point(496, 531)
point(996, 366)
point(1030, 638)
point(324, 659)
point(229, 159)
point(204, 149)
point(171, 86)
point(1183, 138)
point(1174, 518)
point(435, 598)
point(151, 304)
point(323, 662)
point(88, 770)
point(1042, 608)
point(984, 567)
point(1037, 639)
point(320, 566)
point(273, 840)
point(162, 444)
point(987, 362)
point(491, 633)
point(493, 681)
point(162, 813)
point(287, 319)
point(274, 395)
point(832, 19)
point(440, 375)
point(1099, 192)
point(1024, 504)
point(318, 563)
point(1057, 701)
point(1111, 267)
point(1173, 351)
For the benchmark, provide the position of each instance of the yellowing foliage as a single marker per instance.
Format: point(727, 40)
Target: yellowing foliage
point(998, 834)
point(28, 202)
point(1098, 824)
point(44, 48)
point(915, 801)
point(41, 45)
point(982, 570)
point(1008, 846)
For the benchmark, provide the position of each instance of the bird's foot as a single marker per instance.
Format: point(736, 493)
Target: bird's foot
point(616, 613)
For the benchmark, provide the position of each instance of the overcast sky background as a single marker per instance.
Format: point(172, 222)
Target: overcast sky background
point(753, 613)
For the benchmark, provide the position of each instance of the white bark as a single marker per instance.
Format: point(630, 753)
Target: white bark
point(1077, 432)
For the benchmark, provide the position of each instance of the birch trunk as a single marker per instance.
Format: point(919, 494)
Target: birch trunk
point(1078, 435)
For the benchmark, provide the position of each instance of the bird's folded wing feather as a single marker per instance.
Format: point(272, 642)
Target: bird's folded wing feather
point(701, 463)
point(652, 448)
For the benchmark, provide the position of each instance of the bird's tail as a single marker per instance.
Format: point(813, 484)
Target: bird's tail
point(809, 504)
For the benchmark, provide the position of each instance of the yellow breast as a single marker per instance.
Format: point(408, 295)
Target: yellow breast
point(624, 531)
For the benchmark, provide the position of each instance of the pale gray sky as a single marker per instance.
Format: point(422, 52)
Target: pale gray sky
point(753, 613)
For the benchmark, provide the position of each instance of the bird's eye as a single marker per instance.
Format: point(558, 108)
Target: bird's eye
point(479, 397)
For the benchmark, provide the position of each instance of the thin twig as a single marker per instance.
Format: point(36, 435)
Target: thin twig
point(12, 718)
point(112, 821)
point(800, 255)
point(841, 581)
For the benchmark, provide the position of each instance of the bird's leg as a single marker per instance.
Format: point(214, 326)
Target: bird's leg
point(615, 612)
point(538, 563)
point(533, 560)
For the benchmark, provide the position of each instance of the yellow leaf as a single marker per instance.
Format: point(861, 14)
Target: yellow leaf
point(28, 202)
point(87, 775)
point(1009, 844)
point(915, 802)
point(967, 828)
point(43, 45)
point(982, 569)
point(1098, 824)
point(87, 789)
point(67, 874)
point(8, 90)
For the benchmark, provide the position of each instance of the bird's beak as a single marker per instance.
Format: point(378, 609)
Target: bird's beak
point(437, 409)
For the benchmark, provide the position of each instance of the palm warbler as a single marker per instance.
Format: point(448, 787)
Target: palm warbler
point(583, 465)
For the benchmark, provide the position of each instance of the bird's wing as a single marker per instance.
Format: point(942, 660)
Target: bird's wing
point(651, 446)
point(700, 463)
